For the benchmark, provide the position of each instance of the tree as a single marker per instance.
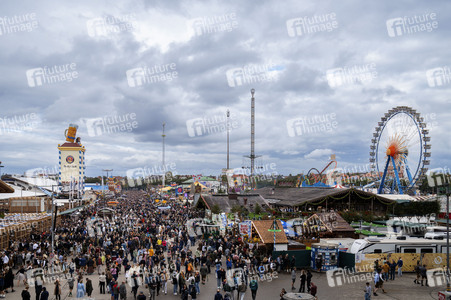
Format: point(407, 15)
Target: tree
point(237, 209)
point(215, 209)
point(257, 209)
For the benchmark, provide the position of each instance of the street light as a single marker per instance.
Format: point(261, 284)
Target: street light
point(164, 168)
point(103, 189)
point(448, 287)
point(443, 180)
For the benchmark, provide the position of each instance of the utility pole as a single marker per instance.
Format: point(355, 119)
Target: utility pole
point(228, 132)
point(53, 223)
point(164, 171)
point(103, 190)
point(448, 287)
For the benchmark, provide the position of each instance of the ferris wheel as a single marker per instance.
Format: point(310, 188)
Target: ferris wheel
point(400, 151)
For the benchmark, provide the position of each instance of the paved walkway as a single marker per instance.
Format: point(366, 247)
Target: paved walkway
point(401, 289)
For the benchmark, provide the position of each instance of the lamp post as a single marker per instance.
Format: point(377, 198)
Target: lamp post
point(103, 190)
point(53, 223)
point(164, 171)
point(443, 180)
point(448, 287)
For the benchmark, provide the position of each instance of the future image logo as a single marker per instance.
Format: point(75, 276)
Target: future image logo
point(351, 75)
point(312, 125)
point(211, 125)
point(252, 73)
point(411, 25)
point(436, 277)
point(312, 24)
point(51, 75)
point(341, 276)
point(111, 124)
point(438, 76)
point(438, 177)
point(214, 24)
point(18, 23)
point(146, 175)
point(110, 25)
point(19, 123)
point(148, 75)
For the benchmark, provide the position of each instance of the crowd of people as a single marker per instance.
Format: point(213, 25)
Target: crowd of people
point(148, 244)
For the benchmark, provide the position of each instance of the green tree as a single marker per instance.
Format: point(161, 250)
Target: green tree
point(257, 209)
point(237, 209)
point(215, 209)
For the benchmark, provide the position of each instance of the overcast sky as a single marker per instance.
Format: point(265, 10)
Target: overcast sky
point(324, 73)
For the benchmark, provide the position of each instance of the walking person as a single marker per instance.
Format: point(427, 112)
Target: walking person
point(293, 278)
point(114, 289)
point(44, 294)
point(219, 277)
point(367, 291)
point(253, 285)
point(152, 286)
point(193, 292)
point(203, 272)
point(313, 289)
point(197, 282)
point(141, 296)
point(89, 287)
point(378, 283)
point(303, 279)
point(242, 290)
point(57, 290)
point(174, 283)
point(164, 282)
point(392, 269)
point(184, 293)
point(9, 279)
point(102, 282)
point(26, 294)
point(218, 295)
point(423, 272)
point(80, 289)
point(38, 288)
point(400, 264)
point(385, 268)
point(309, 280)
point(70, 282)
point(135, 285)
point(417, 272)
point(319, 263)
point(123, 291)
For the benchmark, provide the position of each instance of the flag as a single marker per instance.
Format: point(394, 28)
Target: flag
point(196, 178)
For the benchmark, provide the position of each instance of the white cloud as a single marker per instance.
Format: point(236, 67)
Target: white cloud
point(319, 154)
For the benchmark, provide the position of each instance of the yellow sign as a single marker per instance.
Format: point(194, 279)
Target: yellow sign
point(431, 260)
